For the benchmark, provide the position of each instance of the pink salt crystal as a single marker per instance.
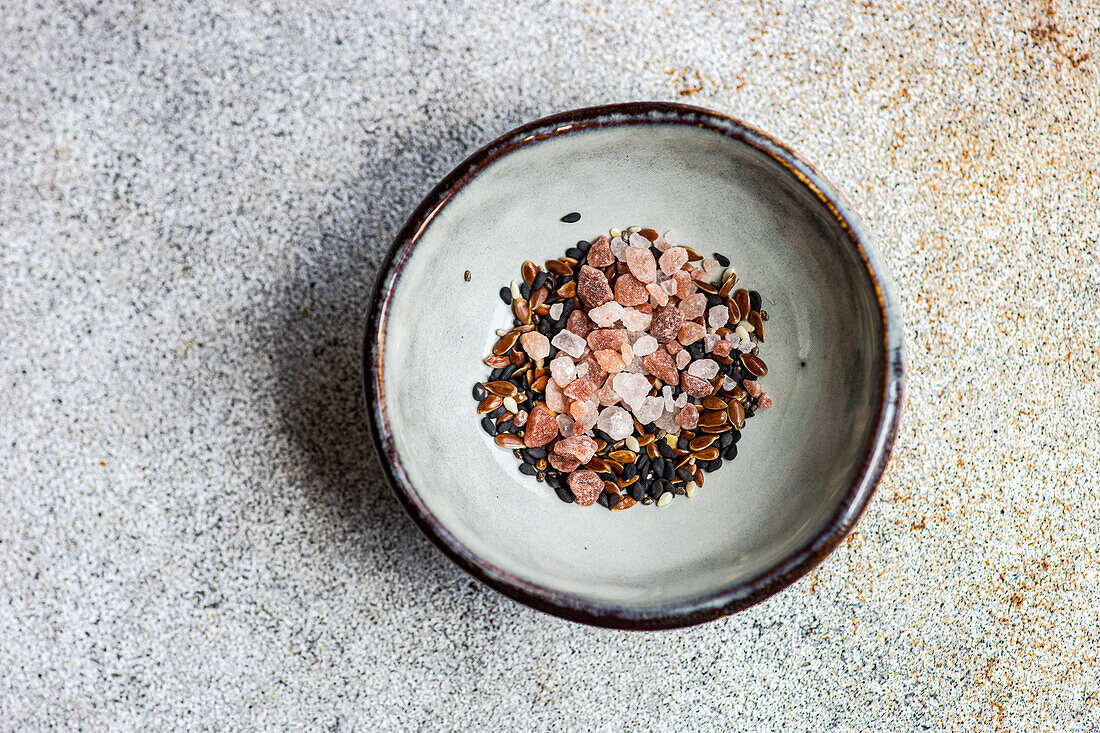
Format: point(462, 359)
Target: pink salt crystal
point(683, 359)
point(644, 308)
point(607, 394)
point(764, 401)
point(651, 409)
point(688, 417)
point(627, 352)
point(695, 386)
point(632, 389)
point(666, 323)
point(542, 426)
point(535, 344)
point(587, 420)
point(610, 361)
point(722, 348)
point(570, 343)
point(520, 419)
point(578, 427)
point(661, 365)
point(599, 254)
point(580, 448)
point(690, 332)
point(704, 368)
point(616, 422)
point(712, 267)
point(579, 323)
point(588, 368)
point(634, 320)
point(669, 286)
point(607, 338)
point(698, 273)
point(645, 346)
point(586, 486)
point(562, 370)
point(752, 387)
point(565, 425)
point(579, 389)
point(629, 290)
point(684, 286)
point(673, 259)
point(576, 410)
point(641, 263)
point(618, 247)
point(718, 316)
point(710, 341)
point(674, 347)
point(555, 311)
point(661, 243)
point(657, 294)
point(606, 314)
point(563, 464)
point(592, 287)
point(693, 306)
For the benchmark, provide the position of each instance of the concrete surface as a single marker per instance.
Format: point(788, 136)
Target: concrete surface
point(193, 200)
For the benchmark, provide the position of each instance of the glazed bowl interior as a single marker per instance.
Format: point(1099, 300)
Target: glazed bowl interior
point(798, 460)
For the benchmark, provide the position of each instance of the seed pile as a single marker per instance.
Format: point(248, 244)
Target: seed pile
point(630, 369)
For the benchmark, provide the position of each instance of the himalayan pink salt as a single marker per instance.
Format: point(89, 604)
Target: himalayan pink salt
point(644, 308)
point(666, 395)
point(637, 240)
point(570, 343)
point(629, 290)
point(563, 464)
point(752, 387)
point(695, 386)
point(610, 361)
point(576, 410)
point(606, 338)
point(606, 314)
point(661, 365)
point(645, 346)
point(565, 425)
point(586, 486)
point(616, 422)
point(632, 388)
point(661, 243)
point(626, 351)
point(690, 332)
point(634, 320)
point(650, 409)
point(710, 341)
point(635, 365)
point(688, 417)
point(592, 287)
point(588, 368)
point(542, 426)
point(580, 448)
point(684, 287)
point(728, 384)
point(693, 306)
point(722, 348)
point(607, 394)
point(599, 254)
point(520, 419)
point(587, 420)
point(667, 423)
point(698, 273)
point(673, 259)
point(669, 286)
point(657, 294)
point(674, 347)
point(764, 401)
point(535, 344)
point(718, 316)
point(667, 321)
point(618, 248)
point(712, 267)
point(683, 359)
point(641, 263)
point(555, 311)
point(555, 398)
point(579, 389)
point(562, 370)
point(579, 323)
point(704, 369)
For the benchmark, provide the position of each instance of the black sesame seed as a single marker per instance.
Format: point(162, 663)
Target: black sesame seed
point(496, 413)
point(536, 453)
point(574, 253)
point(665, 450)
point(479, 391)
point(637, 490)
point(526, 457)
point(755, 301)
point(567, 308)
point(583, 245)
point(629, 471)
point(725, 440)
point(517, 322)
point(506, 295)
point(735, 435)
point(730, 452)
point(713, 299)
point(525, 290)
point(604, 500)
point(650, 428)
point(571, 217)
point(508, 371)
point(506, 426)
point(722, 259)
point(564, 494)
point(685, 474)
point(539, 281)
point(682, 444)
point(553, 479)
point(517, 382)
point(545, 326)
point(527, 469)
point(488, 425)
point(603, 436)
point(527, 404)
point(656, 252)
point(658, 465)
point(553, 352)
point(612, 500)
point(749, 412)
point(696, 350)
point(716, 464)
point(494, 375)
point(670, 471)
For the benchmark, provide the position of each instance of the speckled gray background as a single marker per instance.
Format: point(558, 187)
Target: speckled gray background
point(193, 202)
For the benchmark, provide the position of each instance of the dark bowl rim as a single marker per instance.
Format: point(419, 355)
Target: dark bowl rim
point(728, 599)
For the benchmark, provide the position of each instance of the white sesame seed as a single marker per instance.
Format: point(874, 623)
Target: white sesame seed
point(510, 404)
point(689, 489)
point(665, 498)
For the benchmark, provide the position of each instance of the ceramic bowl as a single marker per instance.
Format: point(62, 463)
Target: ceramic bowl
point(806, 468)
